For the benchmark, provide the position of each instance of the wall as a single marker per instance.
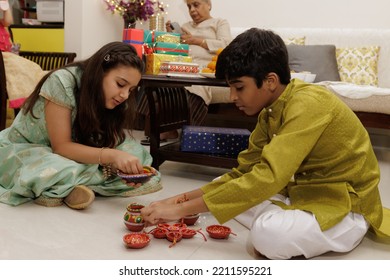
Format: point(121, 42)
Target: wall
point(88, 25)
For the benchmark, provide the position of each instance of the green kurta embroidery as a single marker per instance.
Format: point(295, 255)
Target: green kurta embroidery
point(309, 135)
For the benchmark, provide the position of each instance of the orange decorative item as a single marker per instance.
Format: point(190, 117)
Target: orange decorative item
point(132, 218)
point(136, 240)
point(219, 232)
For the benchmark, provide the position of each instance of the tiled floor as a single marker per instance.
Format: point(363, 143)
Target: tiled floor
point(30, 231)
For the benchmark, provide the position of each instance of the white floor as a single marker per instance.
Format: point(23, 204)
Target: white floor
point(30, 231)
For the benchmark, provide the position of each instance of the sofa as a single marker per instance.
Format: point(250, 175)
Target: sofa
point(361, 58)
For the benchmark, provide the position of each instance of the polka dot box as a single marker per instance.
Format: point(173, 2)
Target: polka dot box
point(214, 140)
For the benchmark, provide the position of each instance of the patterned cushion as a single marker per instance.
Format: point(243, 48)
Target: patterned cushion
point(358, 65)
point(295, 41)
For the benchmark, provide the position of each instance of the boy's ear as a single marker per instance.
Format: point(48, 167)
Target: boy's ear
point(272, 81)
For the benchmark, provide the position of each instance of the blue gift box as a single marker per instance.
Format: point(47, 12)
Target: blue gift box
point(214, 140)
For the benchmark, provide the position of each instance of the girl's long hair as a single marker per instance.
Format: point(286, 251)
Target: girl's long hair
point(95, 125)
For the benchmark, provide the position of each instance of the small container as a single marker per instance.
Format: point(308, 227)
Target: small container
point(133, 219)
point(218, 231)
point(136, 240)
point(174, 236)
point(190, 220)
point(159, 232)
point(187, 233)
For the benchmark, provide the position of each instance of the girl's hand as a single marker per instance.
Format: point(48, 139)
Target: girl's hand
point(125, 162)
point(137, 185)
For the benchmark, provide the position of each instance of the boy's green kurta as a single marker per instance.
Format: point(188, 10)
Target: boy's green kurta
point(311, 147)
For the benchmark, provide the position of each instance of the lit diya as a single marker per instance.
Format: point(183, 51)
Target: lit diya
point(143, 177)
point(219, 232)
point(136, 240)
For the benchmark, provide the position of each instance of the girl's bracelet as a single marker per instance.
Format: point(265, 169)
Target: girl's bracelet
point(100, 155)
point(107, 170)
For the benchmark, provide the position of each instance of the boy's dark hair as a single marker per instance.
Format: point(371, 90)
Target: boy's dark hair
point(254, 53)
point(94, 124)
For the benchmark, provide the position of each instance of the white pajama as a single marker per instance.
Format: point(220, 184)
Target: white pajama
point(282, 234)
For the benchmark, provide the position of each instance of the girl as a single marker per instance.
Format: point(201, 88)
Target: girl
point(70, 137)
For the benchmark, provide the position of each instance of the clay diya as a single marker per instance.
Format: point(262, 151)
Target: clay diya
point(136, 240)
point(174, 237)
point(159, 232)
point(189, 233)
point(190, 220)
point(133, 219)
point(143, 177)
point(219, 232)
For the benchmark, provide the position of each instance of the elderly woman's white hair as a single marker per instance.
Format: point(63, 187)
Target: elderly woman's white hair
point(206, 1)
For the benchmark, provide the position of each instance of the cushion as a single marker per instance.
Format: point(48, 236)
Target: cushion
point(22, 77)
point(317, 59)
point(295, 41)
point(358, 65)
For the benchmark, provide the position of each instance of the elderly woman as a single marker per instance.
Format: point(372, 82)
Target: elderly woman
point(205, 35)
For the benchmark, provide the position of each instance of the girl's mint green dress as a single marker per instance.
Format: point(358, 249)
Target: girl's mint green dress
point(29, 168)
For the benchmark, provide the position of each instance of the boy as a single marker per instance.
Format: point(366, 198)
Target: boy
point(308, 182)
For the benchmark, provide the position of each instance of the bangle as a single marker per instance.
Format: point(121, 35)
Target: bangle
point(100, 155)
point(107, 170)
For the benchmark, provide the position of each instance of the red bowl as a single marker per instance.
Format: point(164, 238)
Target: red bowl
point(187, 233)
point(218, 231)
point(136, 240)
point(164, 225)
point(159, 232)
point(190, 220)
point(174, 236)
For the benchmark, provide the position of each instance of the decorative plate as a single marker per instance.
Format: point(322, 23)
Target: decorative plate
point(137, 178)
